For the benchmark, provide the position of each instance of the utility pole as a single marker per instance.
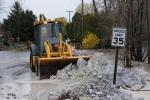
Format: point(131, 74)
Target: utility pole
point(69, 27)
point(82, 17)
point(69, 15)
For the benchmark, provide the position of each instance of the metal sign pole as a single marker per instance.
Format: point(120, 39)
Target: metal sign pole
point(115, 68)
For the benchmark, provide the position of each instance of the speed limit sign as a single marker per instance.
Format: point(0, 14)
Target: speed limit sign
point(118, 40)
point(118, 37)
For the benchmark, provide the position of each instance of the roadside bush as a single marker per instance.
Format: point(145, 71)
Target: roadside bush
point(90, 41)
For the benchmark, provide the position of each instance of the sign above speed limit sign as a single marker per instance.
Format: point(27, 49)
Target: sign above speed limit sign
point(118, 37)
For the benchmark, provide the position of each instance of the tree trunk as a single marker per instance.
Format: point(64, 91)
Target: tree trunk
point(148, 29)
point(106, 7)
point(94, 5)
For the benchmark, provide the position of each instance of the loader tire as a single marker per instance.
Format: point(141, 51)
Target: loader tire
point(32, 67)
point(36, 67)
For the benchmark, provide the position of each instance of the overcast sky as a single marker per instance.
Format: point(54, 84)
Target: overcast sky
point(51, 8)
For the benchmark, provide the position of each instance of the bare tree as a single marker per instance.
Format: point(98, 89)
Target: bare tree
point(148, 30)
point(88, 8)
point(131, 14)
point(134, 15)
point(106, 7)
point(94, 5)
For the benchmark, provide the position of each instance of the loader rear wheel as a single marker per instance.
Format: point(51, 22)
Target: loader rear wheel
point(32, 67)
point(36, 66)
point(36, 70)
point(39, 71)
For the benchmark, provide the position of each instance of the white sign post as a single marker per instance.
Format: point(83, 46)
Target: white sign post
point(118, 37)
point(118, 40)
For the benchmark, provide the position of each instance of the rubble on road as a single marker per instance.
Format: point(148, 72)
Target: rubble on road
point(10, 92)
point(132, 79)
point(94, 80)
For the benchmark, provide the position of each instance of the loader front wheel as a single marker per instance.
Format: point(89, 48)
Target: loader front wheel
point(32, 67)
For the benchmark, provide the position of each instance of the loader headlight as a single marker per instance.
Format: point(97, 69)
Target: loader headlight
point(45, 22)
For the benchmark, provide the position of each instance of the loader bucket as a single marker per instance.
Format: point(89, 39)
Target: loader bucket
point(50, 66)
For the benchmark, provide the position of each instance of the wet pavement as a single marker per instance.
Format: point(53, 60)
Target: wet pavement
point(17, 82)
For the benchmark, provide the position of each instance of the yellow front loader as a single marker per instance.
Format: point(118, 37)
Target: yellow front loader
point(48, 52)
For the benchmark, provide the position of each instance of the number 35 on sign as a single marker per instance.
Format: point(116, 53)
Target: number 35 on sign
point(118, 37)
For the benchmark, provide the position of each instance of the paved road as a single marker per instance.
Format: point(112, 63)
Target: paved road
point(17, 82)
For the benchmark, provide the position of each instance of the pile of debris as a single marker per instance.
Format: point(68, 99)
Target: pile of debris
point(93, 80)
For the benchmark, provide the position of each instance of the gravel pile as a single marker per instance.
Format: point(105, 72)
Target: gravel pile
point(96, 80)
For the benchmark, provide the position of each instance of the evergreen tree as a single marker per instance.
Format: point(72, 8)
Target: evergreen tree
point(19, 23)
point(27, 30)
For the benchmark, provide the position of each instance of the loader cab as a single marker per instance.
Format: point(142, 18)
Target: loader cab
point(48, 31)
